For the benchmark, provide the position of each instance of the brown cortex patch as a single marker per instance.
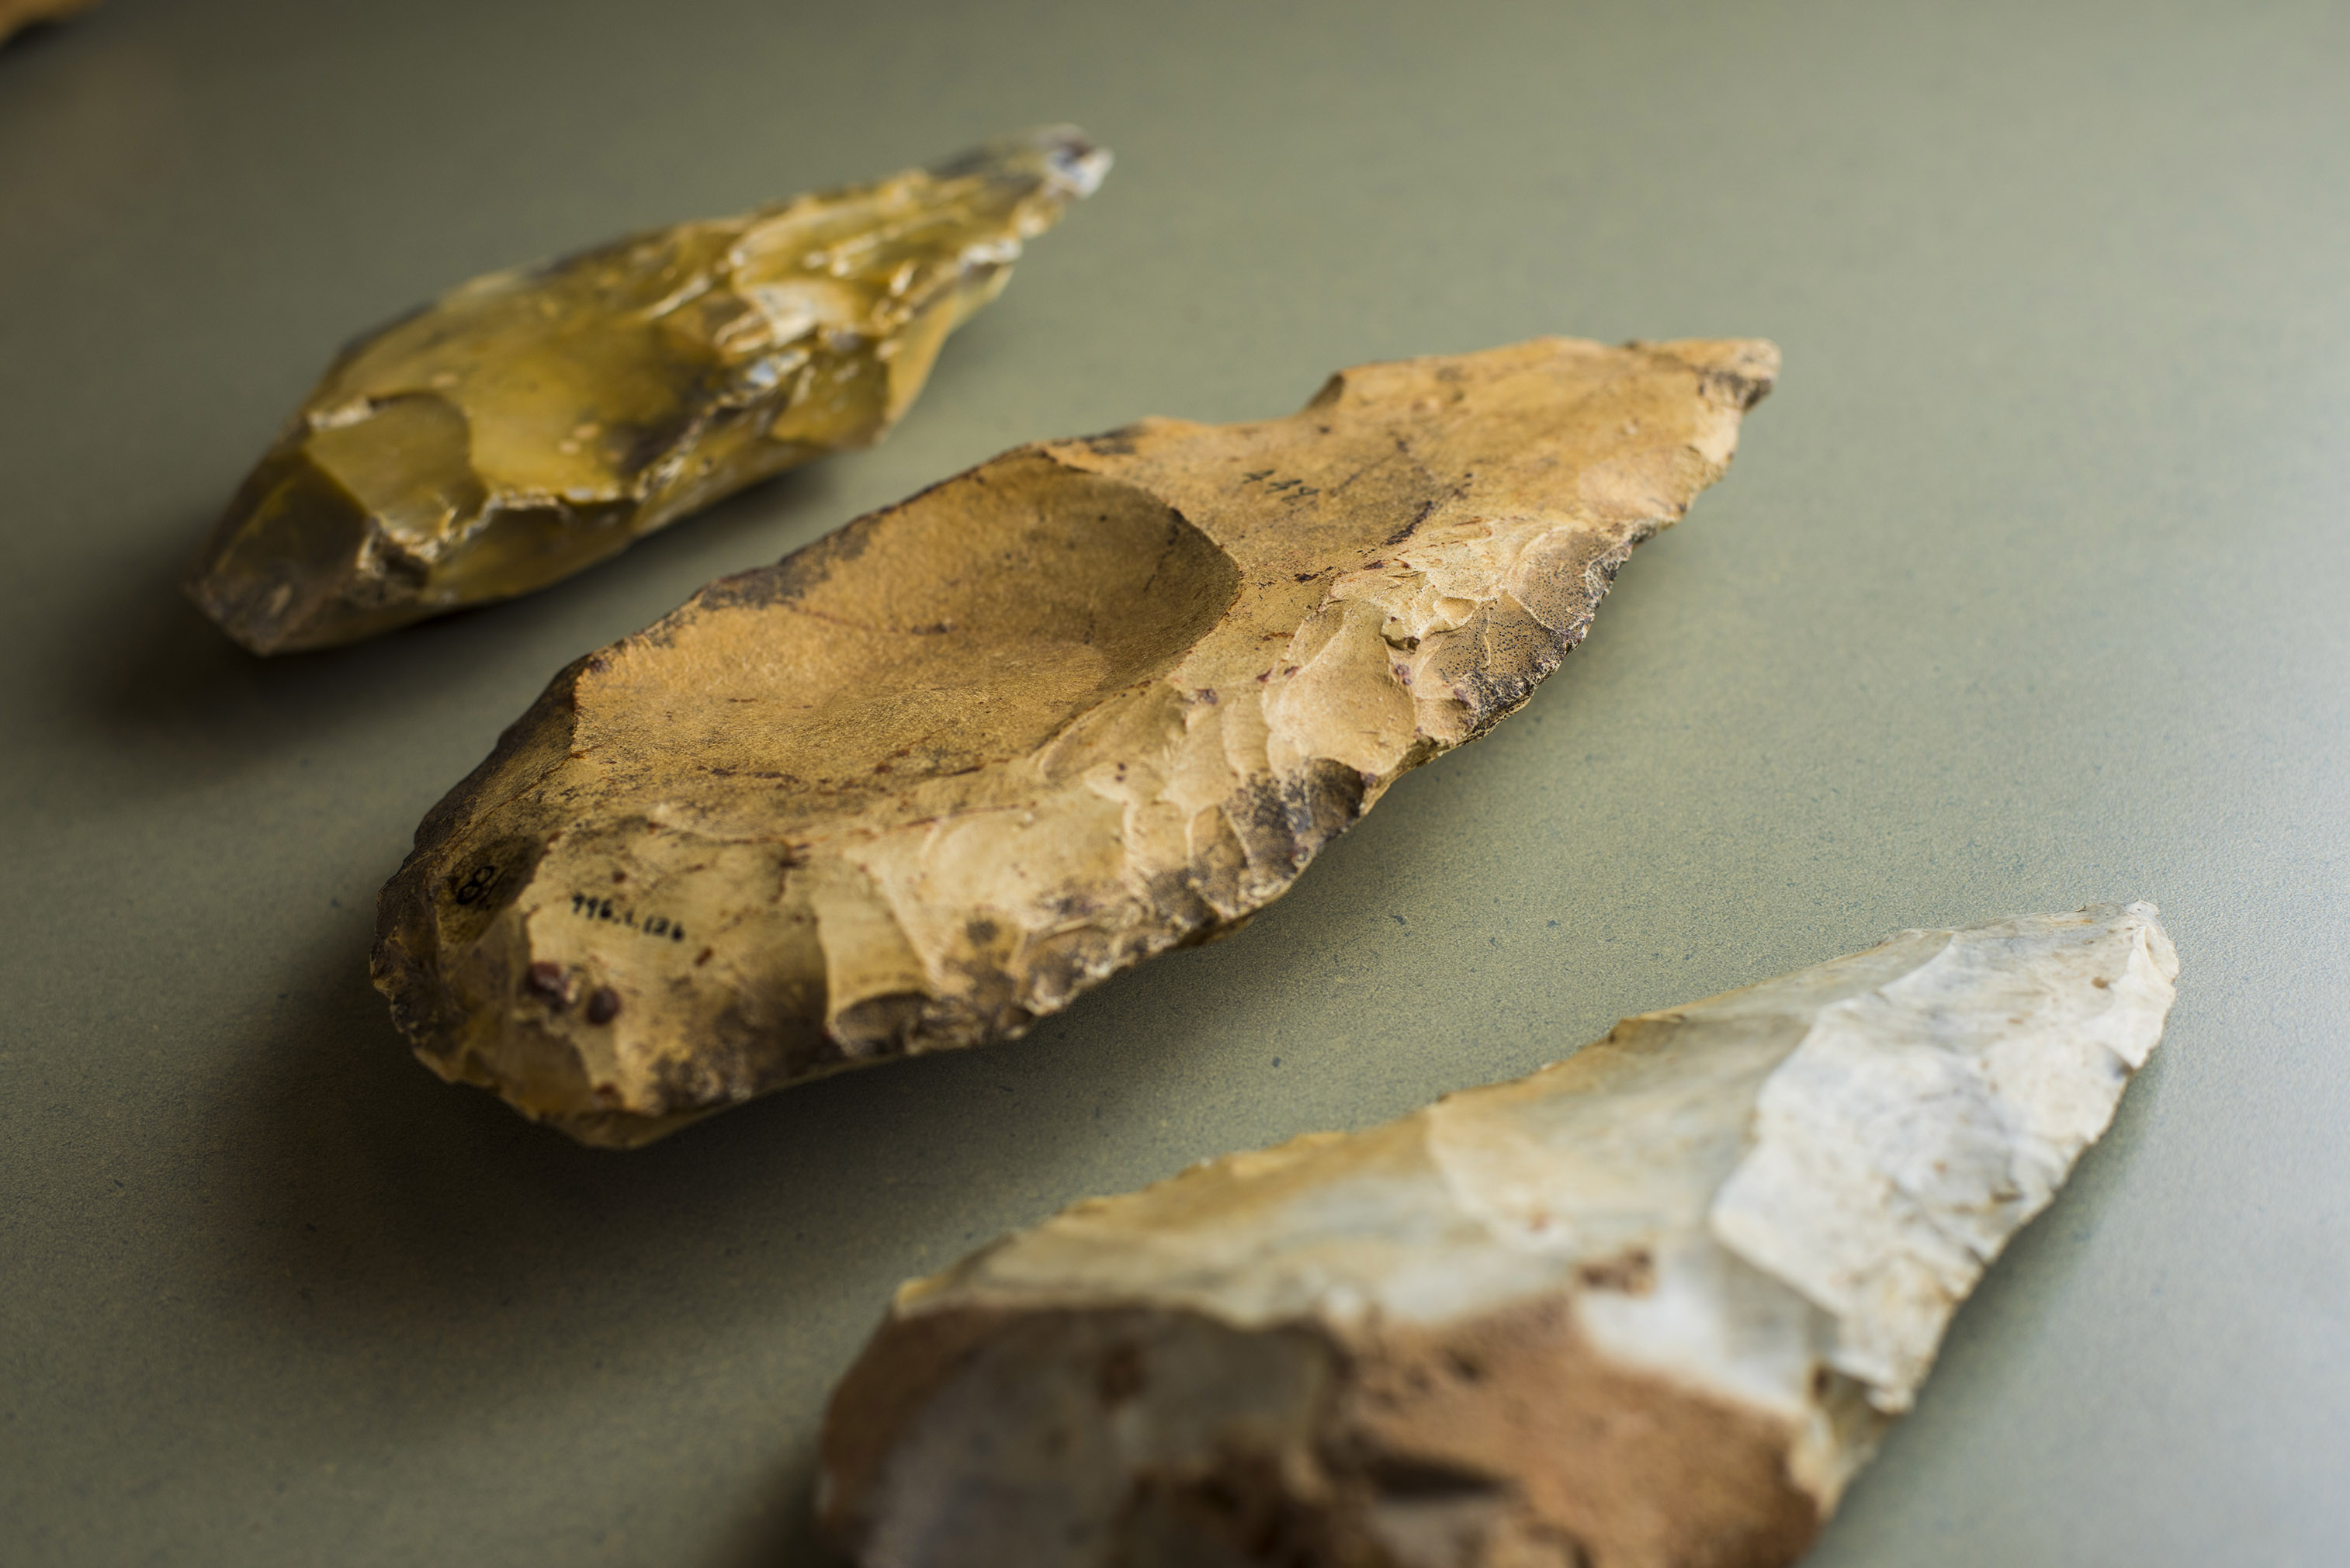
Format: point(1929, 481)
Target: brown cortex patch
point(1567, 1445)
point(981, 620)
point(1123, 1374)
point(1632, 1273)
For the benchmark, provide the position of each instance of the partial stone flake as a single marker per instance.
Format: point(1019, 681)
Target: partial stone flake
point(534, 422)
point(925, 781)
point(1650, 1307)
point(15, 16)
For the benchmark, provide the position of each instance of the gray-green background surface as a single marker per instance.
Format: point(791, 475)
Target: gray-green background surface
point(2028, 590)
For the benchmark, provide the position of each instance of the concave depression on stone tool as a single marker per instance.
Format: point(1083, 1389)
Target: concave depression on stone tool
point(534, 422)
point(1650, 1307)
point(921, 783)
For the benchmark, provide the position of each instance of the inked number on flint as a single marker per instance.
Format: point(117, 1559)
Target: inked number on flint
point(476, 887)
point(590, 907)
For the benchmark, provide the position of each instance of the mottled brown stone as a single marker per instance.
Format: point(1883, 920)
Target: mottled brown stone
point(922, 783)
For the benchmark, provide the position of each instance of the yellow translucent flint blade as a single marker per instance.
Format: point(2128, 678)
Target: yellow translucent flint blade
point(533, 421)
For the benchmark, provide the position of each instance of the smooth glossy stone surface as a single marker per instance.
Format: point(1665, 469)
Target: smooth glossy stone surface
point(533, 421)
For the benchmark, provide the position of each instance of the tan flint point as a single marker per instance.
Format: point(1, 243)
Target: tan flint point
point(925, 781)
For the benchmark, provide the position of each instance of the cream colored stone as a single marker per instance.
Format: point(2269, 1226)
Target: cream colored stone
point(1649, 1307)
point(925, 781)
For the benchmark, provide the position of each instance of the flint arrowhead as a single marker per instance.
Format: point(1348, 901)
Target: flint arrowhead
point(534, 422)
point(920, 784)
point(1650, 1307)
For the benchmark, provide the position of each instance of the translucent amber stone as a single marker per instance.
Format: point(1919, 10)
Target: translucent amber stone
point(533, 421)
